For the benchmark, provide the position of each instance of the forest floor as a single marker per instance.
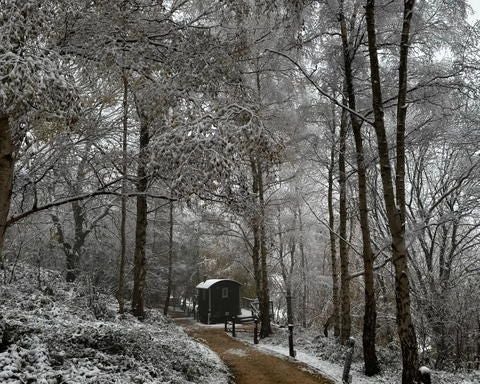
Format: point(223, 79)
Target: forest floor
point(318, 359)
point(247, 363)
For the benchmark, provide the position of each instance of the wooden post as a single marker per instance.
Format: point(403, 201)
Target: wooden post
point(291, 351)
point(233, 327)
point(255, 332)
point(346, 377)
point(226, 322)
point(425, 375)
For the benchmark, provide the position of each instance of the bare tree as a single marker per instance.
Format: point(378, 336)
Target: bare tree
point(350, 44)
point(394, 193)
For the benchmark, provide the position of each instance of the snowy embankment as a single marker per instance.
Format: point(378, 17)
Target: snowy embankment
point(327, 357)
point(53, 332)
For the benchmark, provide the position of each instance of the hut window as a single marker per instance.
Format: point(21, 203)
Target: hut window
point(204, 294)
point(224, 293)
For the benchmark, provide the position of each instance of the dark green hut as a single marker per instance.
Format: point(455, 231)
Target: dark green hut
point(217, 300)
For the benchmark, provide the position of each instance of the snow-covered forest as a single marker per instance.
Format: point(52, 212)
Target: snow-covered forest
point(323, 153)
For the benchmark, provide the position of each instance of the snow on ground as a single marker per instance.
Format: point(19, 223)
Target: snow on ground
point(327, 357)
point(245, 312)
point(217, 325)
point(237, 352)
point(53, 332)
point(330, 370)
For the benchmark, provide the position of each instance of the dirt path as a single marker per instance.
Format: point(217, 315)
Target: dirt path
point(248, 364)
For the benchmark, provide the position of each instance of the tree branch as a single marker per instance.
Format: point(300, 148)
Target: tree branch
point(320, 90)
point(15, 218)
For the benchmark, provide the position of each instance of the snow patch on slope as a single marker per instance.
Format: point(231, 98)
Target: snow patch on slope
point(53, 332)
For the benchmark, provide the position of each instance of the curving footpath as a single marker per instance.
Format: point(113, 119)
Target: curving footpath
point(248, 364)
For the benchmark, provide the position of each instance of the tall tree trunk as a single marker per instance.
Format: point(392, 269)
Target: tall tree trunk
point(345, 317)
point(293, 245)
point(303, 262)
point(70, 259)
point(123, 222)
point(6, 178)
point(288, 299)
point(331, 223)
point(74, 257)
point(266, 328)
point(255, 226)
point(395, 214)
point(402, 108)
point(287, 273)
point(139, 267)
point(170, 258)
point(283, 268)
point(370, 311)
point(259, 250)
point(256, 256)
point(478, 343)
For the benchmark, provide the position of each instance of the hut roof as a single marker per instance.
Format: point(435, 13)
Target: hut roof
point(210, 282)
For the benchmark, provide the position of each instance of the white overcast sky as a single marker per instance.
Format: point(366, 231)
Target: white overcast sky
point(476, 8)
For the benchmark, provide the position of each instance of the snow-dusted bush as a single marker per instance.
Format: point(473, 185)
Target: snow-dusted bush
point(50, 333)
